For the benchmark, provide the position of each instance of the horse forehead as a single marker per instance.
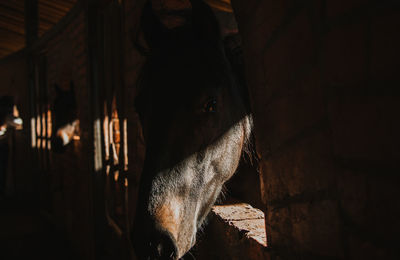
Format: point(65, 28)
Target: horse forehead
point(187, 51)
point(185, 96)
point(189, 78)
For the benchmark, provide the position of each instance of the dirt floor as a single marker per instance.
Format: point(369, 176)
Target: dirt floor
point(25, 232)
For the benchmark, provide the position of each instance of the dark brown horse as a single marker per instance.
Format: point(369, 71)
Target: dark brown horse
point(9, 115)
point(65, 119)
point(9, 119)
point(195, 124)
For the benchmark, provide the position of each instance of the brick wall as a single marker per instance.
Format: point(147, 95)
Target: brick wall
point(323, 86)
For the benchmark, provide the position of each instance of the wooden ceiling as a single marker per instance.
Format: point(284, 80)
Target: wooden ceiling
point(12, 16)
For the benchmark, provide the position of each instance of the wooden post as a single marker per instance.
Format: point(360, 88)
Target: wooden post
point(31, 35)
point(93, 28)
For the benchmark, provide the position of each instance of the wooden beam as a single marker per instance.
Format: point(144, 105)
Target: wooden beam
point(5, 49)
point(51, 12)
point(11, 13)
point(56, 6)
point(11, 31)
point(3, 54)
point(12, 26)
point(13, 45)
point(43, 20)
point(8, 38)
point(62, 5)
point(11, 40)
point(12, 16)
point(12, 6)
point(18, 5)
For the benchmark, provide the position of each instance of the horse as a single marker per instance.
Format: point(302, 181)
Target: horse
point(9, 115)
point(196, 125)
point(9, 119)
point(66, 122)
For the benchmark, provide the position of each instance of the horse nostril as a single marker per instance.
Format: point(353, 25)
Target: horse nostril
point(165, 248)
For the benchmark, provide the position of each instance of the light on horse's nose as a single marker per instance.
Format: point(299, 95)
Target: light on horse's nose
point(14, 122)
point(2, 130)
point(18, 121)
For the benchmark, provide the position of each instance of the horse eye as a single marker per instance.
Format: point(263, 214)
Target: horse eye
point(210, 106)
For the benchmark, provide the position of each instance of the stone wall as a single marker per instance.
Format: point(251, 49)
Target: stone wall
point(323, 86)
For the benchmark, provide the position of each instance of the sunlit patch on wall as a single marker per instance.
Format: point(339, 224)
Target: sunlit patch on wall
point(115, 142)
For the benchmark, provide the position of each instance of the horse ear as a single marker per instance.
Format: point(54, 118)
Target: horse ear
point(137, 44)
point(204, 21)
point(152, 28)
